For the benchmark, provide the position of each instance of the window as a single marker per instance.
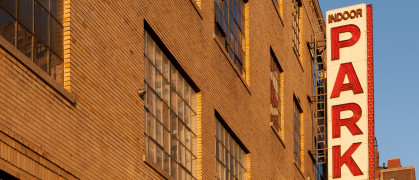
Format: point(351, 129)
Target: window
point(276, 93)
point(297, 134)
point(35, 28)
point(231, 158)
point(296, 14)
point(170, 113)
point(229, 30)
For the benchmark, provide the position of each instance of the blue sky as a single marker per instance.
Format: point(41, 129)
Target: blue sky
point(396, 47)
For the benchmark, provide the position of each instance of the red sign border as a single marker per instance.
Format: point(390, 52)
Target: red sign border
point(371, 136)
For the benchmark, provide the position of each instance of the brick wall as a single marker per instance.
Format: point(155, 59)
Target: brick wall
point(100, 136)
point(405, 173)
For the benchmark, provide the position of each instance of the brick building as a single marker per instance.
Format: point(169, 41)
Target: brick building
point(178, 89)
point(395, 171)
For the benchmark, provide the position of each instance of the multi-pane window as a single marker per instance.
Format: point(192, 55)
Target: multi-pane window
point(231, 158)
point(297, 134)
point(276, 88)
point(35, 27)
point(170, 113)
point(229, 16)
point(296, 14)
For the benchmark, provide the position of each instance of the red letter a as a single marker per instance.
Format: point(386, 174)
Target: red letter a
point(347, 159)
point(354, 85)
point(336, 44)
point(350, 123)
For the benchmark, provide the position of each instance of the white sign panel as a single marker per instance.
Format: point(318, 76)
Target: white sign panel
point(347, 86)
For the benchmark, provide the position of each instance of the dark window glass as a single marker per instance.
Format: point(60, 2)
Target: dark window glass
point(229, 30)
point(44, 3)
point(41, 55)
point(57, 10)
point(297, 134)
point(57, 38)
point(25, 13)
point(24, 41)
point(56, 66)
point(225, 7)
point(296, 26)
point(5, 175)
point(7, 27)
point(9, 6)
point(41, 23)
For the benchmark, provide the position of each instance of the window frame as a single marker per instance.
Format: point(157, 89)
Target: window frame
point(156, 93)
point(225, 135)
point(298, 140)
point(225, 40)
point(31, 50)
point(296, 22)
point(279, 94)
point(62, 87)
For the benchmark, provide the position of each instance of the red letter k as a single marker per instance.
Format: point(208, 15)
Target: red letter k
point(347, 159)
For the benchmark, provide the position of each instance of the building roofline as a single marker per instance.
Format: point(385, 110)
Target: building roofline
point(397, 169)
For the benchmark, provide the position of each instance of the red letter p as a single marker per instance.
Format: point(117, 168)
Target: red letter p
point(336, 44)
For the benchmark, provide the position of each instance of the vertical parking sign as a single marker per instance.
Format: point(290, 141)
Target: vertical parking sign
point(350, 83)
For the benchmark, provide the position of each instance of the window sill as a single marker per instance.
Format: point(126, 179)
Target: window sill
point(277, 12)
point(159, 170)
point(197, 9)
point(13, 51)
point(298, 58)
point(299, 170)
point(231, 63)
point(277, 135)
